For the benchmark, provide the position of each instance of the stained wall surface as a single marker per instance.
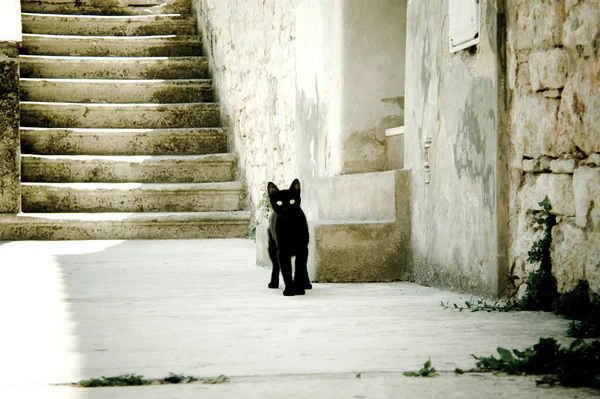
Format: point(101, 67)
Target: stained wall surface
point(452, 98)
point(10, 36)
point(307, 87)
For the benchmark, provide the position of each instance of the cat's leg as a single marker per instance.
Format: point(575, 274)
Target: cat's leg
point(274, 283)
point(285, 263)
point(301, 280)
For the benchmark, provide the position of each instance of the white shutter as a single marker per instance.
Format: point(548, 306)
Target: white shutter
point(464, 23)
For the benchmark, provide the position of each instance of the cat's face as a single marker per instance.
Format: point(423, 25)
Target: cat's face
point(284, 202)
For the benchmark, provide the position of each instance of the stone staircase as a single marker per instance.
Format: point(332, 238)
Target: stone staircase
point(120, 135)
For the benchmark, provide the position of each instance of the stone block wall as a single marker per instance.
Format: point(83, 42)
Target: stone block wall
point(554, 80)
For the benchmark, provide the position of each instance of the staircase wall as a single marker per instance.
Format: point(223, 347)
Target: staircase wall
point(250, 46)
point(307, 86)
point(10, 36)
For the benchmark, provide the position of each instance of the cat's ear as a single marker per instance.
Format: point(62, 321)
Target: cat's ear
point(271, 188)
point(295, 185)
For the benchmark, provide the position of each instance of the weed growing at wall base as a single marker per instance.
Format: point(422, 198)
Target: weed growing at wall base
point(542, 293)
point(575, 366)
point(577, 306)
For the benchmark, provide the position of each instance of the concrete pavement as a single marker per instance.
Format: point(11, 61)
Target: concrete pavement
point(80, 309)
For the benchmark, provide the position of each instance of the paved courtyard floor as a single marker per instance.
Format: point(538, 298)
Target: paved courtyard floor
point(79, 309)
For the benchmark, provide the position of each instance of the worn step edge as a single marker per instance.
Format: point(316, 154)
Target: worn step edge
point(181, 115)
point(132, 159)
point(77, 226)
point(133, 46)
point(116, 90)
point(131, 197)
point(108, 25)
point(234, 187)
point(48, 66)
point(99, 7)
point(182, 141)
point(141, 217)
point(120, 169)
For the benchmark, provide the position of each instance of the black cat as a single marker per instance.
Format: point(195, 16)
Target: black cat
point(288, 236)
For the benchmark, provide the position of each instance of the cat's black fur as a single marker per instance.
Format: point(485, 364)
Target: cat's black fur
point(288, 237)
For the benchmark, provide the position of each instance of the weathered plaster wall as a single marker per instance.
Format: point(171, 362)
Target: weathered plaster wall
point(373, 52)
point(10, 36)
point(319, 83)
point(308, 87)
point(453, 98)
point(554, 74)
point(250, 46)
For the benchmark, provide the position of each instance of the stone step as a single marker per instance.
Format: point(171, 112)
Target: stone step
point(40, 114)
point(116, 91)
point(378, 189)
point(121, 169)
point(191, 141)
point(114, 46)
point(123, 226)
point(60, 67)
point(131, 197)
point(359, 251)
point(108, 25)
point(106, 7)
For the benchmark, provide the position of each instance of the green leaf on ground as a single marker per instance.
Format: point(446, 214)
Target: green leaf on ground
point(426, 371)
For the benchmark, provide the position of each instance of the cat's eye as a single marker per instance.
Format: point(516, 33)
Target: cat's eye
point(279, 203)
point(292, 202)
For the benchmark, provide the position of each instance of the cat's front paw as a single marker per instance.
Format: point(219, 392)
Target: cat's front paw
point(288, 292)
point(300, 291)
point(308, 286)
point(274, 284)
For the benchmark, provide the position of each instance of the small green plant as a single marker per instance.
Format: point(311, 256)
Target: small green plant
point(575, 366)
point(482, 305)
point(584, 328)
point(135, 380)
point(540, 250)
point(179, 379)
point(583, 311)
point(264, 204)
point(219, 380)
point(426, 371)
point(118, 381)
point(541, 291)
